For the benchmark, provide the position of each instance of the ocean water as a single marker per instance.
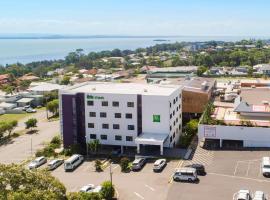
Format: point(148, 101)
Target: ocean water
point(28, 50)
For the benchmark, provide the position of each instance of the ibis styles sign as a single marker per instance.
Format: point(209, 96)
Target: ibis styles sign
point(94, 97)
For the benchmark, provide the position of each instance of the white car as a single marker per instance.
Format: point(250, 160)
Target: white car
point(37, 162)
point(266, 166)
point(31, 110)
point(185, 174)
point(159, 165)
point(53, 164)
point(259, 195)
point(88, 188)
point(242, 195)
point(97, 189)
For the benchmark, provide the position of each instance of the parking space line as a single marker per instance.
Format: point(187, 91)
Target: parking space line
point(149, 187)
point(248, 168)
point(240, 177)
point(138, 195)
point(235, 168)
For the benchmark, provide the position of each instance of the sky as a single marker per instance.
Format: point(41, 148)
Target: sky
point(136, 17)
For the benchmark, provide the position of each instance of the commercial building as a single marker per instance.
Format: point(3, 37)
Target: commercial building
point(121, 114)
point(245, 123)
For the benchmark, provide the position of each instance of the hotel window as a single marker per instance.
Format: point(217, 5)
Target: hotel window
point(170, 128)
point(90, 103)
point(177, 109)
point(170, 115)
point(118, 137)
point(91, 125)
point(128, 116)
point(103, 137)
point(173, 134)
point(174, 101)
point(176, 98)
point(176, 119)
point(171, 139)
point(174, 123)
point(115, 104)
point(103, 115)
point(173, 113)
point(129, 138)
point(170, 104)
point(93, 136)
point(104, 103)
point(130, 104)
point(131, 127)
point(105, 126)
point(179, 126)
point(116, 126)
point(117, 115)
point(92, 114)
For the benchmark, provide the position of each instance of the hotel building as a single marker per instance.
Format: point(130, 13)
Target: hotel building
point(121, 114)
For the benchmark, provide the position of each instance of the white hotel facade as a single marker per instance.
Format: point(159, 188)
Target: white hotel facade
point(121, 114)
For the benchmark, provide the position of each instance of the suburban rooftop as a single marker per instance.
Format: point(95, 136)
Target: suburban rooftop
point(123, 88)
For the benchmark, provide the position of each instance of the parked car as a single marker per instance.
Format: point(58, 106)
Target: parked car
point(97, 189)
point(199, 169)
point(138, 163)
point(37, 162)
point(185, 174)
point(159, 165)
point(265, 166)
point(87, 188)
point(259, 195)
point(26, 107)
point(242, 195)
point(53, 164)
point(31, 110)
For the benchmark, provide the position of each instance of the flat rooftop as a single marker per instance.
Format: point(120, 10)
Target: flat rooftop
point(255, 96)
point(123, 88)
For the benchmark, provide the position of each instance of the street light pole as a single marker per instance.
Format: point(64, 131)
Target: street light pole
point(86, 146)
point(111, 179)
point(31, 146)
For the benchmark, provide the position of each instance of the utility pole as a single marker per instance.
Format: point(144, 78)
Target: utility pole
point(86, 147)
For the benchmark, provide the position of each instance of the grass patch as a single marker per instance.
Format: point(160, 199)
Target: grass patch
point(10, 117)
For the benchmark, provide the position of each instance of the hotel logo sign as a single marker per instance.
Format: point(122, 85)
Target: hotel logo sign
point(94, 97)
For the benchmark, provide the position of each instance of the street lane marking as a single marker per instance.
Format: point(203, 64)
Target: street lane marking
point(240, 177)
point(149, 187)
point(115, 167)
point(138, 195)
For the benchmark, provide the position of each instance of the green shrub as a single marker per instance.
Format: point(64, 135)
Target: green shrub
point(107, 190)
point(124, 163)
point(56, 142)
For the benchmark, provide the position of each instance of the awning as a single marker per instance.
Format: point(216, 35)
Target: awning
point(151, 138)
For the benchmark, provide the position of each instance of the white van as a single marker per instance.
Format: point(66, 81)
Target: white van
point(185, 174)
point(266, 166)
point(73, 162)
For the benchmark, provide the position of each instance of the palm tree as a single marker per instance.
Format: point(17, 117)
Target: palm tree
point(94, 145)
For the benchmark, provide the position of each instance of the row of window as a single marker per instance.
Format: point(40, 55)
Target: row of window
point(173, 113)
point(115, 126)
point(175, 100)
point(116, 137)
point(114, 104)
point(116, 115)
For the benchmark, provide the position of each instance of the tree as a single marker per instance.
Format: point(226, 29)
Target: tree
point(94, 145)
point(107, 191)
point(98, 165)
point(53, 106)
point(31, 123)
point(201, 70)
point(9, 89)
point(10, 126)
point(65, 80)
point(124, 163)
point(30, 185)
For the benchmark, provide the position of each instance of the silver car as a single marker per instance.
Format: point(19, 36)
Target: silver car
point(159, 165)
point(53, 164)
point(138, 163)
point(37, 162)
point(259, 195)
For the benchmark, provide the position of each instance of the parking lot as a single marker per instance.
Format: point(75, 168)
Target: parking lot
point(227, 173)
point(144, 184)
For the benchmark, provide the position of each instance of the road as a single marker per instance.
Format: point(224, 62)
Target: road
point(19, 149)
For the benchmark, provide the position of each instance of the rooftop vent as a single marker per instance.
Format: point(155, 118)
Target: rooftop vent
point(94, 89)
point(253, 86)
point(145, 90)
point(265, 102)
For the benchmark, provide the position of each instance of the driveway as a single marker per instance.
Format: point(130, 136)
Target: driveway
point(19, 149)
